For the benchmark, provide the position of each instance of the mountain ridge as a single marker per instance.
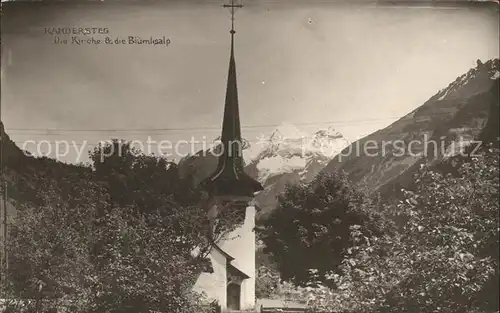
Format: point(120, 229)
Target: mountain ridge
point(452, 117)
point(464, 111)
point(455, 115)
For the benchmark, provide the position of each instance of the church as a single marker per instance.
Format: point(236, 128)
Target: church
point(232, 279)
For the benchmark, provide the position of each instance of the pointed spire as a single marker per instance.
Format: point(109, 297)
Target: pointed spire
point(231, 128)
point(229, 178)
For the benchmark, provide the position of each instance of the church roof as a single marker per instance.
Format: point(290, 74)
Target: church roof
point(227, 256)
point(230, 267)
point(236, 272)
point(229, 177)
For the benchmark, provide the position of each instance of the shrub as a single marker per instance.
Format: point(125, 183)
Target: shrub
point(311, 226)
point(443, 259)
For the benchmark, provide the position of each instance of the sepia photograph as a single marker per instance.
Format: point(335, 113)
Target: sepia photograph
point(249, 156)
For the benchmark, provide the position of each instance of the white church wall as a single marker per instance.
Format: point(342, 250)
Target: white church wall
point(240, 244)
point(214, 284)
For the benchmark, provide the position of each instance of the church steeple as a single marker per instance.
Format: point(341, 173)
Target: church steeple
point(229, 179)
point(231, 128)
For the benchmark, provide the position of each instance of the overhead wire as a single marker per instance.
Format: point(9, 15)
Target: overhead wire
point(179, 130)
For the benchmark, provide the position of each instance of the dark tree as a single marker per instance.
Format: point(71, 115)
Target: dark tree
point(310, 229)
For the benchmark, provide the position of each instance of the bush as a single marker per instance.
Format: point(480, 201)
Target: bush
point(76, 246)
point(311, 226)
point(443, 259)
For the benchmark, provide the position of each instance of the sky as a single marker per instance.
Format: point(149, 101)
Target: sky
point(356, 68)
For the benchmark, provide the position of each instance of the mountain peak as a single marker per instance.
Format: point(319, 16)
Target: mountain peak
point(329, 132)
point(471, 81)
point(286, 131)
point(328, 142)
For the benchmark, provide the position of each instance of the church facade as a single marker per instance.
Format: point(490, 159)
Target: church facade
point(232, 281)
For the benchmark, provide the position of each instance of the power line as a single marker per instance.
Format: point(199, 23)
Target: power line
point(74, 144)
point(59, 131)
point(179, 129)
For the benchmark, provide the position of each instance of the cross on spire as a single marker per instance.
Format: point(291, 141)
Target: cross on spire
point(229, 181)
point(232, 7)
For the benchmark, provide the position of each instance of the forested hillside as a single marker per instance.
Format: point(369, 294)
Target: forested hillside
point(114, 237)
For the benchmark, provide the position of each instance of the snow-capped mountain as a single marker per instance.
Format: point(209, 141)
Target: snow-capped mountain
point(463, 111)
point(287, 155)
point(289, 149)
